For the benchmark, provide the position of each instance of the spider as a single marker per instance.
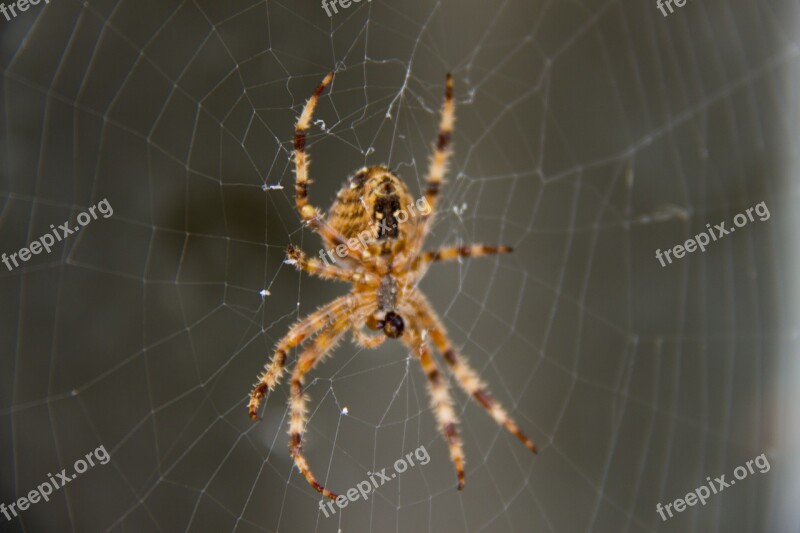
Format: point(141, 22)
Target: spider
point(384, 298)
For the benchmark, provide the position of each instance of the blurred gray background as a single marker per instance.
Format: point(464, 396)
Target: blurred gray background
point(589, 134)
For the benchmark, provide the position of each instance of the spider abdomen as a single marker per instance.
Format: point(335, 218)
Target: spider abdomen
point(375, 209)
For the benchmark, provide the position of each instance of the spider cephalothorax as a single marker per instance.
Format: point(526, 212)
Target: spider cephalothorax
point(377, 230)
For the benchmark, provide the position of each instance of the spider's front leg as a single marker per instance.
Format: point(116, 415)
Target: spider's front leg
point(441, 401)
point(367, 341)
point(306, 327)
point(466, 376)
point(322, 344)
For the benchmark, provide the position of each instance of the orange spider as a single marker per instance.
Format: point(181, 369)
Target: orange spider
point(384, 274)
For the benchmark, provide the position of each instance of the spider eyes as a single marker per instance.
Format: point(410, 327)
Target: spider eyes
point(393, 325)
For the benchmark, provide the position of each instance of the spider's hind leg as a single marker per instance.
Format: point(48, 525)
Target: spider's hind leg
point(437, 168)
point(310, 214)
point(441, 155)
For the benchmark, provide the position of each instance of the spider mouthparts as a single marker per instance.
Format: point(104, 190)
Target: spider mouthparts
point(393, 325)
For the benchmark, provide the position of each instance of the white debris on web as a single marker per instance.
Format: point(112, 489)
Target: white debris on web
point(459, 210)
point(264, 293)
point(345, 410)
point(276, 187)
point(664, 213)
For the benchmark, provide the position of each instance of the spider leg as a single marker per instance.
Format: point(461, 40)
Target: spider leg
point(466, 376)
point(438, 166)
point(364, 340)
point(441, 155)
point(295, 256)
point(322, 344)
point(306, 327)
point(440, 399)
point(454, 252)
point(310, 214)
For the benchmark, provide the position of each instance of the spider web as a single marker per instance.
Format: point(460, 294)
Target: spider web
point(587, 136)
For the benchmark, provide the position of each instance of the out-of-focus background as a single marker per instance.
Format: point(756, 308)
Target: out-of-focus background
point(589, 135)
